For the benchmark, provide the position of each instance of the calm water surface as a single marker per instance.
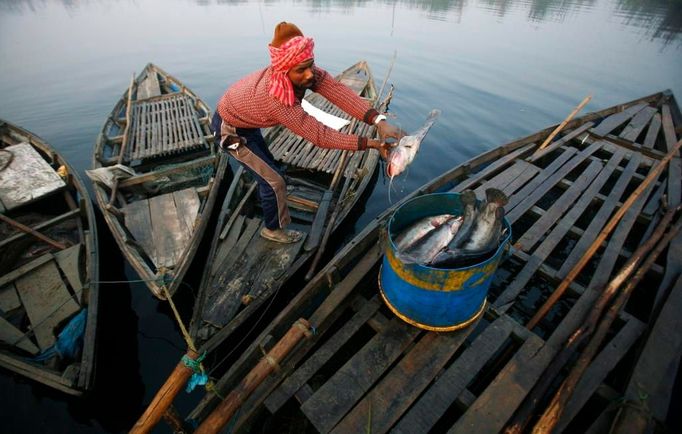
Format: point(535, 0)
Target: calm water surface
point(498, 70)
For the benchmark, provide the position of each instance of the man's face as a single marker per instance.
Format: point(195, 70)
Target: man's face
point(301, 75)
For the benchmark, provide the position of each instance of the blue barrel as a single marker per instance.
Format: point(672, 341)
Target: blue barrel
point(434, 298)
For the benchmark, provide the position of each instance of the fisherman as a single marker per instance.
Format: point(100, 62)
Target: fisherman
point(272, 96)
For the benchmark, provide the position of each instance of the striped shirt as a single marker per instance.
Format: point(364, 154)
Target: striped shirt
point(247, 104)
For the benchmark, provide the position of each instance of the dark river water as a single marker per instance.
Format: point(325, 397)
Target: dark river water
point(498, 70)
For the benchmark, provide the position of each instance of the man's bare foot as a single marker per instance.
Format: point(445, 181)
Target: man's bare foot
point(281, 235)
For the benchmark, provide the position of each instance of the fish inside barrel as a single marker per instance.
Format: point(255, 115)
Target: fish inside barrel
point(453, 241)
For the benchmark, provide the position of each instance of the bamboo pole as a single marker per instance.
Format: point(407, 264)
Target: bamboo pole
point(28, 230)
point(555, 409)
point(164, 397)
point(124, 143)
point(563, 124)
point(615, 219)
point(578, 337)
point(217, 420)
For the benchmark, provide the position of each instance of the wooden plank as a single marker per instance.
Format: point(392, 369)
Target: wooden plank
point(26, 268)
point(519, 204)
point(40, 227)
point(305, 372)
point(652, 132)
point(601, 217)
point(138, 221)
point(560, 206)
point(493, 408)
point(27, 178)
point(46, 300)
point(9, 299)
point(338, 395)
point(387, 401)
point(13, 336)
point(492, 168)
point(560, 230)
point(225, 246)
point(637, 124)
point(180, 168)
point(612, 353)
point(506, 180)
point(675, 165)
point(558, 143)
point(271, 265)
point(660, 358)
point(167, 234)
point(436, 400)
point(617, 119)
point(149, 86)
point(187, 203)
point(69, 262)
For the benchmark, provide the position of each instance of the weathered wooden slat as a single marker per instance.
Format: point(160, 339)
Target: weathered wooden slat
point(442, 394)
point(149, 86)
point(69, 262)
point(338, 395)
point(187, 203)
point(493, 168)
point(637, 124)
point(601, 217)
point(560, 206)
point(507, 180)
point(388, 400)
point(28, 177)
point(617, 119)
point(40, 227)
point(46, 300)
point(299, 378)
point(10, 334)
point(9, 299)
point(660, 358)
point(271, 263)
point(558, 143)
point(493, 408)
point(675, 165)
point(652, 132)
point(138, 221)
point(552, 240)
point(520, 204)
point(226, 246)
point(166, 233)
point(600, 367)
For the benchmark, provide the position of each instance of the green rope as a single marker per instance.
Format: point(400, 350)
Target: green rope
point(194, 364)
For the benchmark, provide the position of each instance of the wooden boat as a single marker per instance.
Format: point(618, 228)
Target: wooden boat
point(243, 270)
point(582, 210)
point(49, 265)
point(159, 129)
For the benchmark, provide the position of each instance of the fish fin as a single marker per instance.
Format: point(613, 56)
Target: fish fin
point(496, 196)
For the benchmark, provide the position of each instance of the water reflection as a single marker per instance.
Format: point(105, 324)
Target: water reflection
point(660, 19)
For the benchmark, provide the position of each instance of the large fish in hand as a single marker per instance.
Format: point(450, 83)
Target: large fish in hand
point(402, 155)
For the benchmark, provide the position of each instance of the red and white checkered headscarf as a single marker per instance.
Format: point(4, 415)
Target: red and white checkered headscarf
point(283, 58)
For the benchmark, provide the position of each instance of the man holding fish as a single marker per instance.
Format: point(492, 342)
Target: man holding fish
point(272, 96)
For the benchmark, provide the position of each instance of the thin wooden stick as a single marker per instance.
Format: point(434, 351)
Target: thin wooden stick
point(652, 176)
point(124, 143)
point(33, 232)
point(555, 409)
point(563, 124)
point(578, 337)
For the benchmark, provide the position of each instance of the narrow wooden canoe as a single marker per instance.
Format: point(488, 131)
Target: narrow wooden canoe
point(49, 266)
point(364, 369)
point(244, 270)
point(159, 214)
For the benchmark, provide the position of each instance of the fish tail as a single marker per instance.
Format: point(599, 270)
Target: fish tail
point(468, 197)
point(494, 195)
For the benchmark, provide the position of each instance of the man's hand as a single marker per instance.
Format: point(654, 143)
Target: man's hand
point(382, 147)
point(387, 131)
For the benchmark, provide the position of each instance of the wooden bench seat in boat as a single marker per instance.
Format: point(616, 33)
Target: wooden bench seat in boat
point(27, 178)
point(163, 225)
